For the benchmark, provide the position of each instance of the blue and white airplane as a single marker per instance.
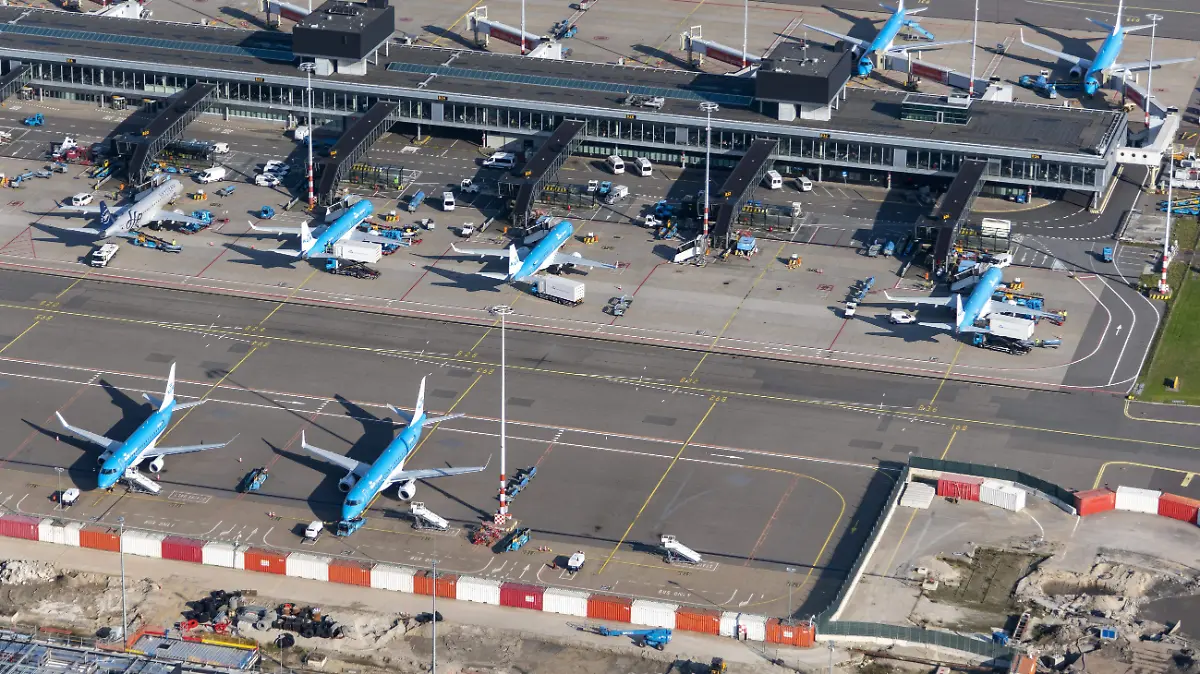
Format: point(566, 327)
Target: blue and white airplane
point(147, 207)
point(870, 53)
point(1105, 63)
point(120, 460)
point(364, 481)
point(979, 303)
point(524, 263)
point(345, 227)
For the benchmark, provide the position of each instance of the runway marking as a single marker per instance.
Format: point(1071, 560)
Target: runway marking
point(1104, 466)
point(68, 288)
point(763, 536)
point(209, 392)
point(738, 308)
point(1156, 421)
point(288, 298)
point(490, 328)
point(671, 465)
point(913, 516)
point(23, 333)
point(942, 383)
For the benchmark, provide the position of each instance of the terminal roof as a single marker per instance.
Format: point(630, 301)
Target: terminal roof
point(247, 54)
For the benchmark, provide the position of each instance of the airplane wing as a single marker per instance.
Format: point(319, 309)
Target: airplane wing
point(427, 473)
point(1005, 308)
point(853, 40)
point(184, 449)
point(294, 231)
point(177, 216)
point(922, 46)
point(481, 252)
point(106, 443)
point(561, 258)
point(87, 210)
point(345, 462)
point(1081, 62)
point(1147, 65)
point(929, 301)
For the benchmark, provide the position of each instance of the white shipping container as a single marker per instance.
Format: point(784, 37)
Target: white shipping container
point(142, 543)
point(1002, 495)
point(358, 251)
point(560, 289)
point(565, 602)
point(392, 577)
point(996, 228)
point(652, 613)
point(752, 627)
point(918, 495)
point(1011, 326)
point(1138, 500)
point(215, 553)
point(59, 533)
point(728, 624)
point(478, 590)
point(305, 565)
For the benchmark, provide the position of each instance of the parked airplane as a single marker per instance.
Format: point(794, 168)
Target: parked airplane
point(543, 255)
point(147, 207)
point(120, 460)
point(344, 227)
point(1106, 57)
point(979, 303)
point(364, 481)
point(872, 52)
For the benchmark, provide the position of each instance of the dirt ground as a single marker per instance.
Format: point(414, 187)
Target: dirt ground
point(37, 593)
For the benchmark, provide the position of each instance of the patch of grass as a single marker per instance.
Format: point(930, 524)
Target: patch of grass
point(1178, 351)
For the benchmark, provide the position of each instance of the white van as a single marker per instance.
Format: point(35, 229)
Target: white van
point(803, 184)
point(81, 199)
point(644, 168)
point(220, 148)
point(773, 180)
point(211, 175)
point(447, 201)
point(501, 160)
point(615, 164)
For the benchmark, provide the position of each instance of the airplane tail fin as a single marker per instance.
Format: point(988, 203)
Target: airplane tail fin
point(419, 410)
point(306, 239)
point(169, 394)
point(106, 216)
point(514, 261)
point(958, 312)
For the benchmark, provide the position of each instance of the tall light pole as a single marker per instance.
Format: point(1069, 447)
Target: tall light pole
point(522, 27)
point(1162, 284)
point(790, 571)
point(124, 615)
point(709, 108)
point(1154, 19)
point(59, 471)
point(974, 39)
point(503, 310)
point(434, 621)
point(308, 69)
point(745, 29)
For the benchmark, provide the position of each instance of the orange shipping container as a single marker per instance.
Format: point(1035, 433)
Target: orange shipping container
point(606, 607)
point(447, 584)
point(350, 573)
point(801, 634)
point(1178, 507)
point(265, 561)
point(704, 620)
point(99, 538)
point(1095, 501)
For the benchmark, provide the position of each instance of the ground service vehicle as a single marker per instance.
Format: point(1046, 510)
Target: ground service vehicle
point(558, 289)
point(211, 175)
point(103, 255)
point(501, 160)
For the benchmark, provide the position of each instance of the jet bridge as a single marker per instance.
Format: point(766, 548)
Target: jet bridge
point(351, 146)
point(167, 127)
point(956, 206)
point(13, 80)
point(522, 186)
point(739, 186)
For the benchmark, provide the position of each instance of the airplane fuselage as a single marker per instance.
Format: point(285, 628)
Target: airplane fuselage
point(144, 211)
point(341, 228)
point(139, 443)
point(1105, 58)
point(376, 480)
point(883, 41)
point(977, 302)
point(538, 256)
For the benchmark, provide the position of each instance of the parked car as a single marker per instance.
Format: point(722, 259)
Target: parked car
point(266, 180)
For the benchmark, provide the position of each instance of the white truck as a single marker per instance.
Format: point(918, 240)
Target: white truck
point(103, 255)
point(300, 133)
point(358, 251)
point(558, 289)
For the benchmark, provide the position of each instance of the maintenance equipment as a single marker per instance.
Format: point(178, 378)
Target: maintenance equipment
point(352, 269)
point(678, 552)
point(655, 638)
point(35, 120)
point(312, 533)
point(718, 666)
point(255, 479)
point(617, 306)
point(518, 539)
point(415, 201)
point(150, 241)
point(576, 561)
point(1107, 254)
point(226, 191)
point(424, 518)
point(1041, 84)
point(347, 527)
point(1002, 344)
point(266, 213)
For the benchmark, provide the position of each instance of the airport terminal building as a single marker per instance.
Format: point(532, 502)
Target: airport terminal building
point(818, 125)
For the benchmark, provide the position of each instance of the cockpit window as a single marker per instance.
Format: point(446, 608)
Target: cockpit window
point(108, 471)
point(352, 503)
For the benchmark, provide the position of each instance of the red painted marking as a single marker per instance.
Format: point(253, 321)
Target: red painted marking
point(763, 536)
point(839, 334)
point(639, 287)
point(422, 277)
point(49, 420)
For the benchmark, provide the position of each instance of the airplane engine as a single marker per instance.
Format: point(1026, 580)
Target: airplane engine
point(407, 490)
point(104, 456)
point(1076, 72)
point(347, 483)
point(156, 465)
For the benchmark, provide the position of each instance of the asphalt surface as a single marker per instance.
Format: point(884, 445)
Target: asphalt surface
point(1180, 18)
